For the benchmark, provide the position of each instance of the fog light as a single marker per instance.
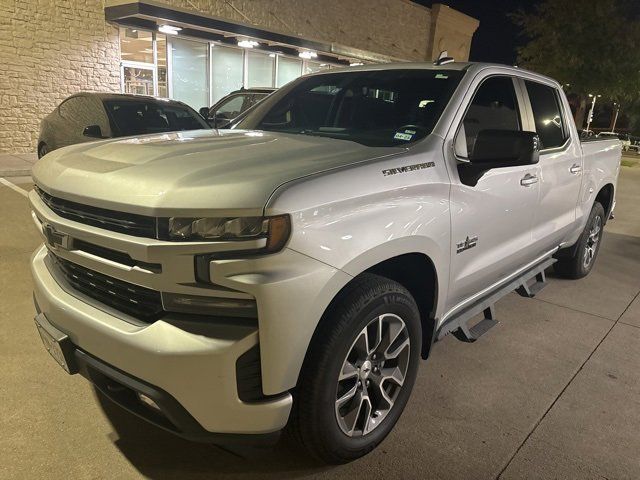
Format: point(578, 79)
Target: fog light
point(148, 401)
point(224, 307)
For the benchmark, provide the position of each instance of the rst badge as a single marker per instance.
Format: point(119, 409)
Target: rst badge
point(468, 243)
point(55, 238)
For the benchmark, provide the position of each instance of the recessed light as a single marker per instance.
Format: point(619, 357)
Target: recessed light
point(169, 29)
point(307, 54)
point(247, 43)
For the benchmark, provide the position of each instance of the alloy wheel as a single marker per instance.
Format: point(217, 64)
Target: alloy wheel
point(372, 375)
point(592, 242)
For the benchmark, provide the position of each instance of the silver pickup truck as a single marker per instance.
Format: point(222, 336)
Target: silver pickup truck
point(290, 273)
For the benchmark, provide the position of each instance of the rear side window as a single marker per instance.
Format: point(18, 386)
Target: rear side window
point(494, 107)
point(133, 117)
point(547, 114)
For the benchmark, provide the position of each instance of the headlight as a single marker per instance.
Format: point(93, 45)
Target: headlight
point(274, 229)
point(217, 228)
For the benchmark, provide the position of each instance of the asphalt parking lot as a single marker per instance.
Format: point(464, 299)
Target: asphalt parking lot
point(553, 392)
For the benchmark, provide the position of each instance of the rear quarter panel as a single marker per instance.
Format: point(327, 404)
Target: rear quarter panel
point(601, 166)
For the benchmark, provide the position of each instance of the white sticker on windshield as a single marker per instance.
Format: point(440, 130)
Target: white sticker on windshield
point(403, 136)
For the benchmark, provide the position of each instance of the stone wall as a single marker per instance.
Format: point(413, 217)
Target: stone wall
point(50, 49)
point(396, 28)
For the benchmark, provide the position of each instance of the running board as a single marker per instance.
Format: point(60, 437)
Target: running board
point(459, 323)
point(530, 290)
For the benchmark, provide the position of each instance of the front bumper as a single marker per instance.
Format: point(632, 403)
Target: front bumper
point(194, 363)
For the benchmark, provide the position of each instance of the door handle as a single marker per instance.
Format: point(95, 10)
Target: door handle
point(575, 168)
point(528, 180)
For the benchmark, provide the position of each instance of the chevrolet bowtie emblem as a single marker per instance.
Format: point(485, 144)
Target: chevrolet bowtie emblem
point(469, 242)
point(55, 239)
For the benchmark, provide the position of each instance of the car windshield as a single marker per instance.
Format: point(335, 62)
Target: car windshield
point(140, 117)
point(375, 108)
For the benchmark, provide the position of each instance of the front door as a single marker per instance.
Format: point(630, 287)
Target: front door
point(491, 221)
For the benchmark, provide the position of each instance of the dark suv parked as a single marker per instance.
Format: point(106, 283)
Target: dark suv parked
point(229, 107)
point(89, 116)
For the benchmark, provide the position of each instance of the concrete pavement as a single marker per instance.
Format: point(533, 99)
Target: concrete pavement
point(552, 392)
point(16, 164)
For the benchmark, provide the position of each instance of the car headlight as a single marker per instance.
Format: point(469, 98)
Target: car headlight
point(275, 229)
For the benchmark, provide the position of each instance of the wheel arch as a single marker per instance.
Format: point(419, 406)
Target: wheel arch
point(416, 272)
point(605, 197)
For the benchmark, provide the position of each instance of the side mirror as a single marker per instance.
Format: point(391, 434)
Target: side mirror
point(204, 111)
point(505, 148)
point(499, 149)
point(92, 131)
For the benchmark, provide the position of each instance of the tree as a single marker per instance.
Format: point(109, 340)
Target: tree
point(593, 46)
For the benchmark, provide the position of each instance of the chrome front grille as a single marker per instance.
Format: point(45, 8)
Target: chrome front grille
point(139, 302)
point(129, 223)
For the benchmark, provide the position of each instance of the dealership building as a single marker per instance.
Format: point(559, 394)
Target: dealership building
point(197, 51)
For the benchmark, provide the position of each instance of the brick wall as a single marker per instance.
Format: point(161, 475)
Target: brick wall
point(50, 49)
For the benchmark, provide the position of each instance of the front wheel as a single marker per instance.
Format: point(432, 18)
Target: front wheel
point(579, 263)
point(359, 371)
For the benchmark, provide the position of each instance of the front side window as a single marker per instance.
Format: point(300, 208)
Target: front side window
point(494, 107)
point(375, 108)
point(138, 117)
point(547, 114)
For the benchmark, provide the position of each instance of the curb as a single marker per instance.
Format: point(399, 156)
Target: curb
point(15, 173)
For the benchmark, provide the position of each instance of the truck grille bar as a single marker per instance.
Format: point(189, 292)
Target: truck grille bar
point(129, 223)
point(139, 302)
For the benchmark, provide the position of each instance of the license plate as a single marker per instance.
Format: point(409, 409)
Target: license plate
point(57, 344)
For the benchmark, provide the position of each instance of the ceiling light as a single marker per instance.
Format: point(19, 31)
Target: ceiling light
point(247, 43)
point(272, 55)
point(169, 29)
point(307, 54)
point(356, 64)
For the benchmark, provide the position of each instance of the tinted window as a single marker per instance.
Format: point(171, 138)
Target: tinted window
point(494, 107)
point(139, 117)
point(547, 114)
point(376, 108)
point(70, 108)
point(233, 106)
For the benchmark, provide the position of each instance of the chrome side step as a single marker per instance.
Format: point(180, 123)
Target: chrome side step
point(528, 284)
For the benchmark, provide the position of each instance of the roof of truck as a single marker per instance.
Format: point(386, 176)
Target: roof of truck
point(458, 66)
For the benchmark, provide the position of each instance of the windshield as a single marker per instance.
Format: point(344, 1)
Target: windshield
point(375, 108)
point(140, 117)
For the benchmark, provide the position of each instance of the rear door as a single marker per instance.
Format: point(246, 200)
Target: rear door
point(491, 221)
point(560, 165)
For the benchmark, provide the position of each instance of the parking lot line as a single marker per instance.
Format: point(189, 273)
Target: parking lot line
point(12, 186)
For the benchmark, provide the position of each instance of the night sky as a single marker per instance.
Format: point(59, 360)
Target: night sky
point(497, 38)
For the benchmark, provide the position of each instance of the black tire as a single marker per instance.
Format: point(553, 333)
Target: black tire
point(43, 149)
point(572, 262)
point(314, 422)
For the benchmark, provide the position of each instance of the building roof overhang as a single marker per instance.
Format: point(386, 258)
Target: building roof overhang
point(150, 14)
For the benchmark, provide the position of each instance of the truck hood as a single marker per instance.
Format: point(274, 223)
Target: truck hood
point(201, 172)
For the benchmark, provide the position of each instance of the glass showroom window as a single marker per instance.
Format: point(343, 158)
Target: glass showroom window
point(189, 80)
point(288, 69)
point(227, 70)
point(161, 62)
point(138, 73)
point(260, 68)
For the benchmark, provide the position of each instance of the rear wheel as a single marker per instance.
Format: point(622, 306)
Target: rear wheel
point(359, 371)
point(43, 149)
point(580, 261)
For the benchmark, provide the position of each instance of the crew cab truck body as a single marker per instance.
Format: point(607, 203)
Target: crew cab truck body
point(293, 270)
